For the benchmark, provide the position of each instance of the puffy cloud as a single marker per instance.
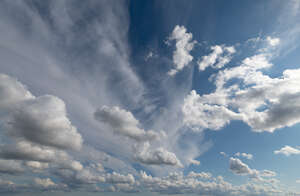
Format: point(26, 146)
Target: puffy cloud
point(44, 183)
point(176, 183)
point(238, 167)
point(124, 123)
point(287, 151)
point(116, 178)
point(12, 92)
point(223, 154)
point(272, 103)
point(184, 44)
point(198, 113)
point(157, 156)
point(217, 59)
point(37, 129)
point(11, 167)
point(41, 120)
point(245, 155)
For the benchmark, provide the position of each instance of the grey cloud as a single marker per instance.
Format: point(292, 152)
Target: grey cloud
point(124, 123)
point(11, 167)
point(156, 156)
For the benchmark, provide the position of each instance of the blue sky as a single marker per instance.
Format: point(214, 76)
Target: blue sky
point(149, 97)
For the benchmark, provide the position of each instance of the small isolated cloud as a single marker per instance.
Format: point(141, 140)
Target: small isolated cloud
point(194, 162)
point(273, 41)
point(217, 59)
point(223, 154)
point(245, 155)
point(184, 44)
point(287, 151)
point(124, 123)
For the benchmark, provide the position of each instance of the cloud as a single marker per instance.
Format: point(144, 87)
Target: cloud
point(217, 59)
point(268, 99)
point(194, 162)
point(238, 167)
point(116, 178)
point(44, 182)
point(287, 151)
point(245, 155)
point(177, 183)
point(223, 154)
point(273, 41)
point(124, 123)
point(11, 167)
point(157, 156)
point(41, 120)
point(204, 175)
point(184, 44)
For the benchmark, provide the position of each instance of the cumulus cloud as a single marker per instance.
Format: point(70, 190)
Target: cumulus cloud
point(177, 183)
point(44, 182)
point(272, 103)
point(156, 156)
point(184, 44)
point(116, 178)
point(40, 120)
point(218, 58)
point(287, 151)
point(37, 129)
point(124, 123)
point(245, 155)
point(238, 167)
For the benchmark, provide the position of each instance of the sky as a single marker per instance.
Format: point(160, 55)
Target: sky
point(149, 97)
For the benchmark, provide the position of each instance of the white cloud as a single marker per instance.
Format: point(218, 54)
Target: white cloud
point(287, 151)
point(273, 41)
point(44, 182)
point(177, 183)
point(217, 59)
point(184, 44)
point(279, 98)
point(124, 123)
point(194, 162)
point(245, 155)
